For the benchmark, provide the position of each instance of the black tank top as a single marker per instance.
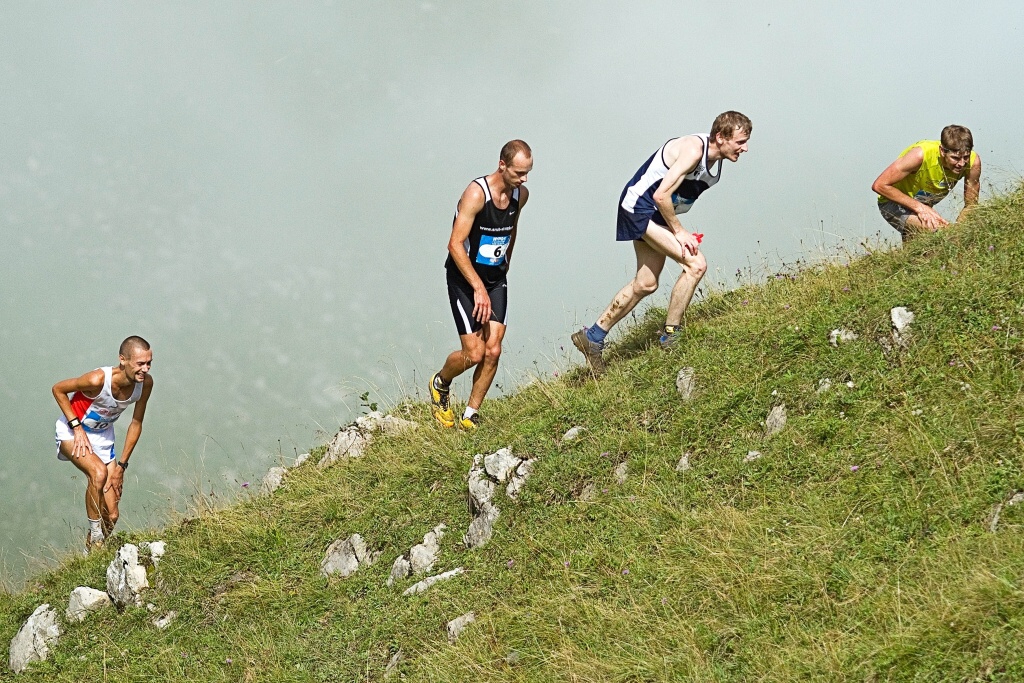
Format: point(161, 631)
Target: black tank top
point(489, 238)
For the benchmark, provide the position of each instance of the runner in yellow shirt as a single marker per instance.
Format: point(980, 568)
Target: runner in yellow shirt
point(922, 176)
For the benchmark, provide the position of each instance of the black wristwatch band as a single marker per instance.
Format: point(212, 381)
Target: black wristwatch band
point(74, 422)
point(122, 465)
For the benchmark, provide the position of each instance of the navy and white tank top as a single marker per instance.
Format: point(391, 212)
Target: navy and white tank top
point(638, 195)
point(489, 238)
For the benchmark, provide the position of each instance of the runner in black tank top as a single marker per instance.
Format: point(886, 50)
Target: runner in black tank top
point(479, 253)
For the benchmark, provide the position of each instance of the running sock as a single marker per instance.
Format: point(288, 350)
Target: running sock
point(470, 412)
point(95, 530)
point(596, 334)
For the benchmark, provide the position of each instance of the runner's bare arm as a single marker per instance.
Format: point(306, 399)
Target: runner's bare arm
point(906, 165)
point(116, 479)
point(524, 194)
point(688, 151)
point(91, 384)
point(470, 204)
point(972, 187)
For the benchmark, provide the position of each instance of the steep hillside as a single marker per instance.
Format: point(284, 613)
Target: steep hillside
point(859, 546)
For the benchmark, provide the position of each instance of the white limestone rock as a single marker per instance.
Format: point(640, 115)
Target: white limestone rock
point(588, 493)
point(457, 625)
point(426, 583)
point(301, 460)
point(165, 621)
point(126, 578)
point(684, 463)
point(156, 549)
point(901, 318)
point(84, 601)
point(752, 456)
point(34, 640)
point(345, 556)
point(481, 529)
point(621, 472)
point(824, 385)
point(776, 420)
point(572, 434)
point(500, 464)
point(841, 334)
point(273, 480)
point(686, 383)
point(400, 570)
point(349, 442)
point(423, 555)
point(523, 472)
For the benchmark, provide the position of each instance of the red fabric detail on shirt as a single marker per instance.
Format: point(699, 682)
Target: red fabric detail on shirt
point(80, 404)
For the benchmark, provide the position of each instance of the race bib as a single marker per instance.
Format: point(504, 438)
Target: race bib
point(492, 249)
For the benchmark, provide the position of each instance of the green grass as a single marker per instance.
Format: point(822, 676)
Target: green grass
point(857, 548)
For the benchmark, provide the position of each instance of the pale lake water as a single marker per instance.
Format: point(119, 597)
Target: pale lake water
point(265, 192)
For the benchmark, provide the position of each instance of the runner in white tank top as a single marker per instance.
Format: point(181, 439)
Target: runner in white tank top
point(85, 430)
point(664, 187)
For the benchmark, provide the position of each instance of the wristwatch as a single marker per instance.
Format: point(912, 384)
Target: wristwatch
point(74, 422)
point(122, 465)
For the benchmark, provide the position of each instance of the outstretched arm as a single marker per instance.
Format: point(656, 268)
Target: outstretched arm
point(906, 165)
point(90, 384)
point(972, 187)
point(688, 154)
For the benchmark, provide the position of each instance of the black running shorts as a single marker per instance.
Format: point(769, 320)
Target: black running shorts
point(460, 296)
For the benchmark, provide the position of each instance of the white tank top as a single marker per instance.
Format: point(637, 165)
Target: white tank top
point(97, 414)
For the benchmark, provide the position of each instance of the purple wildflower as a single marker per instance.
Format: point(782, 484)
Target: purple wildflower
point(745, 302)
point(846, 289)
point(995, 328)
point(786, 307)
point(566, 563)
point(854, 468)
point(991, 247)
point(510, 563)
point(245, 484)
point(625, 571)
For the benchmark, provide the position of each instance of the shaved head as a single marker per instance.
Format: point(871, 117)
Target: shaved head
point(132, 344)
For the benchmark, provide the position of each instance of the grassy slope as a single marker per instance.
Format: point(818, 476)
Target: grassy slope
point(790, 567)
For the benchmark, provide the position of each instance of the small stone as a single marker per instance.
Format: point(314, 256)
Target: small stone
point(401, 569)
point(426, 583)
point(752, 456)
point(686, 383)
point(823, 385)
point(457, 625)
point(841, 334)
point(572, 434)
point(513, 658)
point(500, 463)
point(588, 493)
point(776, 420)
point(850, 384)
point(901, 319)
point(1015, 499)
point(917, 413)
point(301, 460)
point(346, 555)
point(273, 480)
point(85, 600)
point(523, 473)
point(621, 472)
point(126, 578)
point(423, 555)
point(34, 640)
point(684, 463)
point(165, 621)
point(391, 670)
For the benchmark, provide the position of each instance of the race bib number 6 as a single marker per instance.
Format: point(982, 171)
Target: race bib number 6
point(492, 250)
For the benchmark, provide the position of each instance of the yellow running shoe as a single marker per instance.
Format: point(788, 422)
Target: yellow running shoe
point(439, 402)
point(470, 423)
point(91, 544)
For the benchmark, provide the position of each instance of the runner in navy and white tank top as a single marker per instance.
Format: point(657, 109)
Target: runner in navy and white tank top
point(661, 190)
point(489, 237)
point(637, 198)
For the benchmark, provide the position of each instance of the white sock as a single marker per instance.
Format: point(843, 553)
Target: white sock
point(470, 412)
point(95, 529)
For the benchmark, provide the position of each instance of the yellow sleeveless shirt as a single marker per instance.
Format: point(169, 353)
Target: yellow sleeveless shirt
point(932, 182)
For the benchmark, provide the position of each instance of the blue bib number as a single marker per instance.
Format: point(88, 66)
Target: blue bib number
point(492, 250)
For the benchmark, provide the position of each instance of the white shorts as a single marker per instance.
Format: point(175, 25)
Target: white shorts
point(102, 442)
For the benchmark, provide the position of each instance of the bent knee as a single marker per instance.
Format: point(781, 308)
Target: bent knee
point(644, 287)
point(98, 476)
point(473, 356)
point(696, 265)
point(112, 517)
point(492, 353)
